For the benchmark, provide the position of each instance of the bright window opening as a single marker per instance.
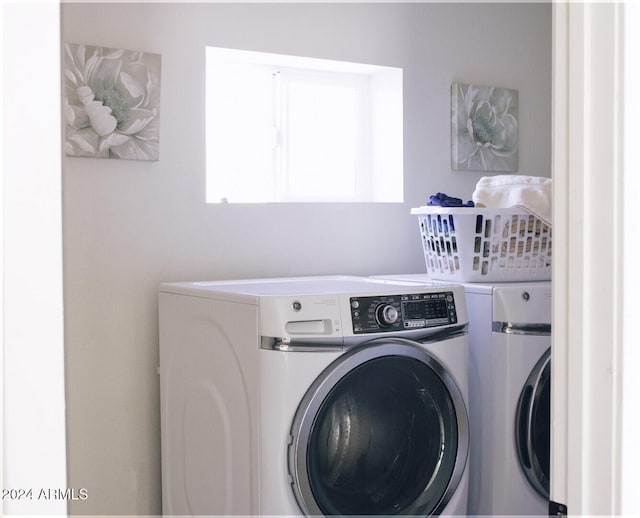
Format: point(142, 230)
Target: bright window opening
point(291, 129)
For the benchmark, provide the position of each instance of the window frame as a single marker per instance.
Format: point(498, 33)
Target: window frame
point(378, 177)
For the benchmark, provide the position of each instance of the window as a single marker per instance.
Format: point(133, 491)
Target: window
point(290, 129)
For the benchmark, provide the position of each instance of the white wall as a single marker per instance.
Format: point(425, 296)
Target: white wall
point(131, 225)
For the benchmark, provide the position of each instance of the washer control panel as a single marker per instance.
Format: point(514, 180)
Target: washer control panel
point(392, 313)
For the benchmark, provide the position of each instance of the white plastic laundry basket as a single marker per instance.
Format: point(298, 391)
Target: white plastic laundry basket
point(484, 245)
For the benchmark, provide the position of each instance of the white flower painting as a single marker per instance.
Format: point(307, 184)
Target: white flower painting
point(111, 102)
point(484, 128)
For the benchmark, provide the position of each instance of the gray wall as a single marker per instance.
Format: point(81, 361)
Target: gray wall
point(130, 225)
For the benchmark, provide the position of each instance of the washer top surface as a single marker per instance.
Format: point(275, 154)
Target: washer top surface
point(251, 290)
point(415, 278)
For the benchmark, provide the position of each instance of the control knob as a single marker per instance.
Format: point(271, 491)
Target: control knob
point(386, 315)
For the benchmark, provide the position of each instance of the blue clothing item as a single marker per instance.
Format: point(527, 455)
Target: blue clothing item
point(443, 200)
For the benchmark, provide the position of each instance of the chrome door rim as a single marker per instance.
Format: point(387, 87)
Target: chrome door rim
point(524, 411)
point(322, 386)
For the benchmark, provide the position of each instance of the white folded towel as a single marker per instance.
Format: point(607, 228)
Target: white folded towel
point(530, 193)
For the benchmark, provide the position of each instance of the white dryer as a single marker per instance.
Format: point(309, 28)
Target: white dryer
point(509, 395)
point(317, 396)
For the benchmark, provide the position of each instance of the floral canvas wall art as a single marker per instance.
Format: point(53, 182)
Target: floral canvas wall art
point(111, 102)
point(484, 128)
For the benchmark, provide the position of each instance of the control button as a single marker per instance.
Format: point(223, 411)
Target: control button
point(355, 304)
point(414, 324)
point(386, 315)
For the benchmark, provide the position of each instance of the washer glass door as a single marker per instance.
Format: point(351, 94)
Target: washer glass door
point(384, 431)
point(533, 428)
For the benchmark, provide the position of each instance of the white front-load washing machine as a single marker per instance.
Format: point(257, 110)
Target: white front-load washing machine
point(317, 396)
point(509, 395)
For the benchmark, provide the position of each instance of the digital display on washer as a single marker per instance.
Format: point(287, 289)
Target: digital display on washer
point(425, 310)
point(397, 312)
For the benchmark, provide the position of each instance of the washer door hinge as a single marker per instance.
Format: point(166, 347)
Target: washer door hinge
point(556, 509)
